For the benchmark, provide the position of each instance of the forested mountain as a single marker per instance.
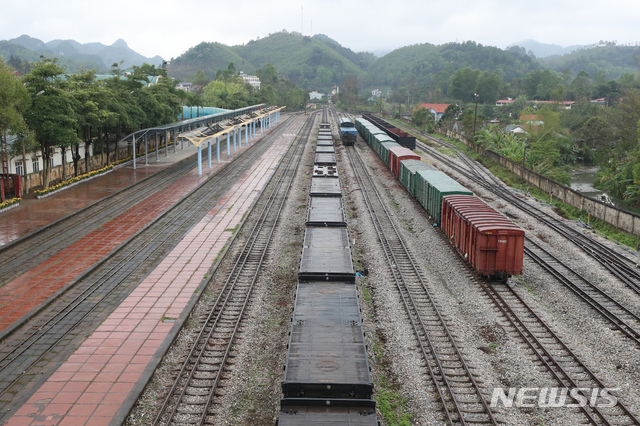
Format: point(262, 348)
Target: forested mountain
point(18, 52)
point(608, 58)
point(208, 57)
point(422, 72)
point(545, 50)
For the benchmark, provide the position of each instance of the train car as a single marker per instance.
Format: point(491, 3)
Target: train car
point(326, 255)
point(408, 170)
point(325, 148)
point(327, 378)
point(399, 136)
point(325, 211)
point(325, 158)
point(325, 140)
point(491, 243)
point(323, 187)
point(348, 132)
point(431, 186)
point(383, 151)
point(397, 154)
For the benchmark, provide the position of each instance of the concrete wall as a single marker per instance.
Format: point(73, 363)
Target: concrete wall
point(621, 219)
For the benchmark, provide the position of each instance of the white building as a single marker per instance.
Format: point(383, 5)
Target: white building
point(315, 95)
point(251, 79)
point(35, 163)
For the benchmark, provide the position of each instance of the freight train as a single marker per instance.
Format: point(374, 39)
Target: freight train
point(327, 378)
point(491, 244)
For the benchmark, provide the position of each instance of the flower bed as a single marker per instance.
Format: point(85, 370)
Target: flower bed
point(71, 182)
point(9, 204)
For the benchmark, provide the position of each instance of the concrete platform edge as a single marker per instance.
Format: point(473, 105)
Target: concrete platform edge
point(132, 399)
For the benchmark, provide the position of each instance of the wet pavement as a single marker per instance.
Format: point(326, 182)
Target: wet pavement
point(92, 386)
point(33, 214)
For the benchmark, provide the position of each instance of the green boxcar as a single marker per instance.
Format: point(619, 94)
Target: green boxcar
point(408, 170)
point(431, 186)
point(383, 152)
point(373, 131)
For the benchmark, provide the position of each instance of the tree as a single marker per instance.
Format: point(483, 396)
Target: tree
point(14, 100)
point(489, 86)
point(51, 114)
point(349, 93)
point(201, 79)
point(596, 132)
point(464, 83)
point(420, 116)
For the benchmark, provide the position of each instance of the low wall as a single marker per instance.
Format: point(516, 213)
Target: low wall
point(621, 219)
point(55, 173)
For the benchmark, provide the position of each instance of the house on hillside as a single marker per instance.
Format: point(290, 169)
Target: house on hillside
point(184, 86)
point(315, 95)
point(514, 129)
point(437, 110)
point(253, 80)
point(532, 122)
point(563, 104)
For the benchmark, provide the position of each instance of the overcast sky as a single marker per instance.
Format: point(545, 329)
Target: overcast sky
point(168, 27)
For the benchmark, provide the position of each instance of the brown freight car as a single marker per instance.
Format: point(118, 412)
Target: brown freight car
point(491, 243)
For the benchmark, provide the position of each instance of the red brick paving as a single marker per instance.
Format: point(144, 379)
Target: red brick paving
point(26, 292)
point(95, 381)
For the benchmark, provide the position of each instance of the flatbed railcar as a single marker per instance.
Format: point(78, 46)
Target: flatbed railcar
point(492, 244)
point(325, 158)
point(325, 148)
point(325, 211)
point(327, 379)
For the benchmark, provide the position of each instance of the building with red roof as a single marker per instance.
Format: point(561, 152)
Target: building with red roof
point(437, 110)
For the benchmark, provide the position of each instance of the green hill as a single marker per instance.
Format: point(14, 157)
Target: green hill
point(209, 57)
point(309, 62)
point(609, 58)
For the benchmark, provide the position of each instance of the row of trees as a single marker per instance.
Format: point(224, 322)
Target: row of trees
point(540, 84)
point(46, 108)
point(229, 90)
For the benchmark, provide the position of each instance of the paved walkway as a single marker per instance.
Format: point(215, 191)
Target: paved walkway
point(28, 291)
point(33, 214)
point(97, 382)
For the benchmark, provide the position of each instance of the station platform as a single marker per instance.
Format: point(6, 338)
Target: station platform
point(101, 381)
point(33, 214)
point(26, 292)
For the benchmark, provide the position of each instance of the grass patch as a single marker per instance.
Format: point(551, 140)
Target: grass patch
point(392, 406)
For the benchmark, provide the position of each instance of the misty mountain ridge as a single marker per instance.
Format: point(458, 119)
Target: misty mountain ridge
point(545, 50)
point(92, 55)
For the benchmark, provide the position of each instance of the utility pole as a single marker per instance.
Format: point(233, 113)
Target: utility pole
point(475, 114)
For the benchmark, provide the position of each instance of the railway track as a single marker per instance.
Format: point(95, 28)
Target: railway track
point(56, 330)
point(619, 316)
point(192, 397)
point(455, 384)
point(622, 268)
point(557, 358)
point(34, 248)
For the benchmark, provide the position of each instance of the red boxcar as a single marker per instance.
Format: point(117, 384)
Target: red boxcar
point(490, 242)
point(397, 154)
